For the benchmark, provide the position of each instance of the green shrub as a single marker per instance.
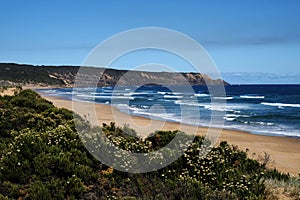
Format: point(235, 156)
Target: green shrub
point(42, 157)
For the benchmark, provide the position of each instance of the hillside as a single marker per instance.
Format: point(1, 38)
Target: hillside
point(20, 74)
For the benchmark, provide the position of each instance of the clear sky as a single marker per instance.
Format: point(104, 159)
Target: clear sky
point(254, 36)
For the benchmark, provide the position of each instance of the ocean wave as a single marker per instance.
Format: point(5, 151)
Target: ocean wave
point(251, 97)
point(67, 92)
point(179, 102)
point(201, 95)
point(80, 100)
point(224, 98)
point(172, 97)
point(213, 106)
point(235, 115)
point(134, 93)
point(232, 115)
point(105, 97)
point(229, 118)
point(134, 109)
point(176, 93)
point(107, 87)
point(85, 95)
point(166, 116)
point(122, 105)
point(145, 112)
point(97, 94)
point(55, 92)
point(48, 91)
point(237, 111)
point(267, 130)
point(257, 114)
point(221, 108)
point(260, 123)
point(280, 105)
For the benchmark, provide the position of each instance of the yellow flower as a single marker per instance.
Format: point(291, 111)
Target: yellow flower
point(108, 171)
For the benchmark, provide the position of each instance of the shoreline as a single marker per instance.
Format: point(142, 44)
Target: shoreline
point(284, 150)
point(149, 117)
point(239, 129)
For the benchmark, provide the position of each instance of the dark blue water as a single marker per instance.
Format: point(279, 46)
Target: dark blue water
point(260, 109)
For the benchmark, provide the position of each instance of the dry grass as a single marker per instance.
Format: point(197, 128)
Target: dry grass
point(283, 189)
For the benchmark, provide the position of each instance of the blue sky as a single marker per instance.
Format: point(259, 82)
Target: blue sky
point(240, 36)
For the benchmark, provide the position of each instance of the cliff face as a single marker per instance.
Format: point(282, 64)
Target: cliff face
point(15, 74)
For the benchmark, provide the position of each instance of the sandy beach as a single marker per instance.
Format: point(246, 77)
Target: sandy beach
point(284, 151)
point(8, 91)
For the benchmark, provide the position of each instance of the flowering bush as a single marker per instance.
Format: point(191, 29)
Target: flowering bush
point(42, 157)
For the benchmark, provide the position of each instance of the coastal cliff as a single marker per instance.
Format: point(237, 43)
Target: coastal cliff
point(64, 76)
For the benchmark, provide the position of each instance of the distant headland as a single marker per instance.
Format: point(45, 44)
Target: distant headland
point(64, 76)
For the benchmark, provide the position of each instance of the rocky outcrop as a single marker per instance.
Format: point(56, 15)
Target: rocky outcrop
point(65, 76)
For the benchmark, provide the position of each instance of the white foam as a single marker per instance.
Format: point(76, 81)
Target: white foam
point(121, 97)
point(235, 115)
point(85, 95)
point(116, 97)
point(176, 93)
point(49, 91)
point(167, 116)
point(134, 93)
point(79, 100)
point(260, 123)
point(221, 108)
point(172, 97)
point(232, 115)
point(169, 100)
point(105, 97)
point(251, 97)
point(229, 118)
point(66, 93)
point(223, 98)
point(213, 106)
point(186, 103)
point(201, 95)
point(267, 130)
point(122, 105)
point(108, 87)
point(280, 105)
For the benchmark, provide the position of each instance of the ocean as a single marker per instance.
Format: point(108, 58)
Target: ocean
point(259, 109)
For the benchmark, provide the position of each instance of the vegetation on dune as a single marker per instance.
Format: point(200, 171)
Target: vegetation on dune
point(42, 157)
